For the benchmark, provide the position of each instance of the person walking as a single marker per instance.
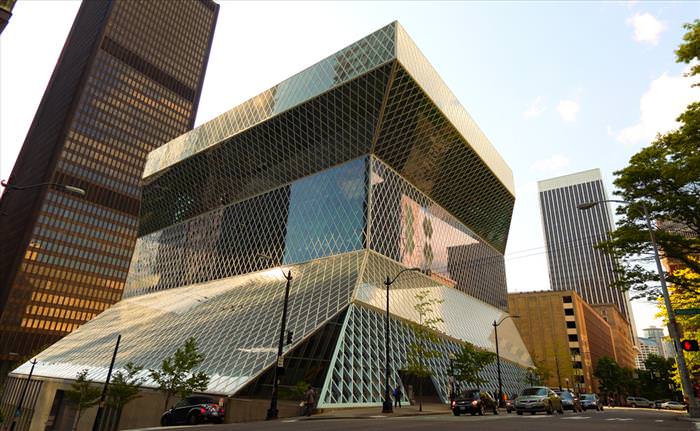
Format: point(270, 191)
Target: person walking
point(397, 396)
point(309, 401)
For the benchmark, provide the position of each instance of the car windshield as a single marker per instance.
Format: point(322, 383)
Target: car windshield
point(587, 396)
point(470, 394)
point(534, 391)
point(566, 395)
point(200, 400)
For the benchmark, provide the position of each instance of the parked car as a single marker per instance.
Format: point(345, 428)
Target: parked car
point(538, 399)
point(591, 401)
point(657, 403)
point(673, 405)
point(192, 411)
point(510, 405)
point(474, 401)
point(569, 401)
point(638, 402)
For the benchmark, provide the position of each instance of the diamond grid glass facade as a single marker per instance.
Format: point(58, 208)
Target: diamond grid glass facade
point(341, 183)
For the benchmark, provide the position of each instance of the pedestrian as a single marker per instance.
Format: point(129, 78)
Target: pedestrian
point(309, 401)
point(397, 396)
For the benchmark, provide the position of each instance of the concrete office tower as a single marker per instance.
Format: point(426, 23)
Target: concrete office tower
point(571, 235)
point(657, 334)
point(127, 81)
point(344, 174)
point(647, 346)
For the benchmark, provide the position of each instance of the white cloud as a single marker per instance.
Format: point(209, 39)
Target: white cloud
point(646, 27)
point(535, 109)
point(553, 163)
point(666, 98)
point(568, 110)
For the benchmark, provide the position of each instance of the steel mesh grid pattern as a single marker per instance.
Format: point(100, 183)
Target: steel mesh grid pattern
point(331, 129)
point(420, 143)
point(357, 375)
point(316, 216)
point(454, 310)
point(337, 69)
point(235, 322)
point(418, 66)
point(410, 228)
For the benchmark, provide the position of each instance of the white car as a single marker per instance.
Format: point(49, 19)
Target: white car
point(673, 405)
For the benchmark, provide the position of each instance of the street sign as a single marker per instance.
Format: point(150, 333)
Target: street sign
point(687, 311)
point(280, 361)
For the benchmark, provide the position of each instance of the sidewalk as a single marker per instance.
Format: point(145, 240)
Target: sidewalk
point(376, 412)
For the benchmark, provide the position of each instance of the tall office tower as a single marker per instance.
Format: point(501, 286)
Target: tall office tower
point(347, 173)
point(657, 334)
point(127, 81)
point(571, 235)
point(5, 12)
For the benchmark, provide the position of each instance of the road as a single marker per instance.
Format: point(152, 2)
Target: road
point(610, 420)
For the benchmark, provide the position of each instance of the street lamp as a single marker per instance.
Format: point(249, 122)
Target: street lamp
point(452, 358)
point(63, 187)
point(272, 412)
point(694, 409)
point(18, 410)
point(498, 357)
point(387, 406)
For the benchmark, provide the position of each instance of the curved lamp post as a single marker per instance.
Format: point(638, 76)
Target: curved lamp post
point(272, 412)
point(387, 406)
point(693, 410)
point(498, 357)
point(63, 187)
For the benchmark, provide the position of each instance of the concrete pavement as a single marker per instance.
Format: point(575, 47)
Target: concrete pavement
point(612, 419)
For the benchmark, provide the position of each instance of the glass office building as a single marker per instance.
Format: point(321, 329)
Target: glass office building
point(348, 172)
point(128, 80)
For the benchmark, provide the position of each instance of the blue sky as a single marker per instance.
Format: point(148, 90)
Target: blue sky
point(557, 87)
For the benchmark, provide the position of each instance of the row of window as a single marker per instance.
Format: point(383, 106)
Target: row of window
point(80, 204)
point(77, 284)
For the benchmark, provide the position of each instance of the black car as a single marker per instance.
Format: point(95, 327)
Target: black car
point(474, 401)
point(192, 411)
point(569, 401)
point(591, 401)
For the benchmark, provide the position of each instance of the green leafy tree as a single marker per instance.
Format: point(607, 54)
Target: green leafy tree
point(123, 388)
point(83, 394)
point(664, 177)
point(615, 381)
point(656, 382)
point(469, 362)
point(176, 376)
point(422, 350)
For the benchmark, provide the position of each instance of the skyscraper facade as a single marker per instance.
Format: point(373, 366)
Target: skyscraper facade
point(128, 80)
point(347, 173)
point(572, 234)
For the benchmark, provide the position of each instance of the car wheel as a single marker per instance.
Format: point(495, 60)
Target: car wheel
point(519, 413)
point(472, 413)
point(634, 406)
point(561, 410)
point(164, 421)
point(549, 410)
point(455, 412)
point(193, 419)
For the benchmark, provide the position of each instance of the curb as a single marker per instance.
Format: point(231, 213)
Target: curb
point(379, 416)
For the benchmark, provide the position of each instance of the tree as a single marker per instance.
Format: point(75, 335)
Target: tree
point(469, 362)
point(176, 376)
point(83, 394)
point(656, 380)
point(422, 350)
point(539, 373)
point(664, 177)
point(615, 381)
point(123, 388)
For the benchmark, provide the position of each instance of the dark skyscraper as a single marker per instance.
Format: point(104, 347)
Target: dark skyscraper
point(571, 235)
point(128, 80)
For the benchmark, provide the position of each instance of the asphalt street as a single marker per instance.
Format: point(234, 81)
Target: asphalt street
point(610, 420)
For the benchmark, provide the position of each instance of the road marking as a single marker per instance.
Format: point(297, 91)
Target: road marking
point(659, 420)
point(535, 417)
point(289, 420)
point(577, 417)
point(377, 416)
point(619, 419)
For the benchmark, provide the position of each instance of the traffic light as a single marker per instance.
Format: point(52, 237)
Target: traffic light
point(690, 345)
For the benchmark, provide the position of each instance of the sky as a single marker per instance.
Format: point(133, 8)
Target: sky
point(557, 87)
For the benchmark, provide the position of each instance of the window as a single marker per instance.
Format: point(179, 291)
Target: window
point(567, 300)
point(569, 311)
point(573, 337)
point(570, 324)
